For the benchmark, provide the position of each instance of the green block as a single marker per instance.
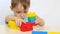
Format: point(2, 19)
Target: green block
point(31, 18)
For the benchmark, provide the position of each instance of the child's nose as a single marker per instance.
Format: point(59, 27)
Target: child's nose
point(22, 15)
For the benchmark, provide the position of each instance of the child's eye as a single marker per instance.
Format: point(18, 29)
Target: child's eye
point(18, 12)
point(21, 12)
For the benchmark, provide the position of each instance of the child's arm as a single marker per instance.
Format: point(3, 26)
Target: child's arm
point(39, 21)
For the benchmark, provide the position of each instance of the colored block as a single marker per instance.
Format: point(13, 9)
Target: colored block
point(26, 27)
point(12, 25)
point(31, 17)
point(53, 32)
point(31, 14)
point(39, 32)
point(42, 32)
point(32, 21)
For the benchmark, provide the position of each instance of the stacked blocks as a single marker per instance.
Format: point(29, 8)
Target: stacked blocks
point(31, 17)
point(28, 26)
point(12, 25)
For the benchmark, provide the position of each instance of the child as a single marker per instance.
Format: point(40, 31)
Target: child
point(20, 9)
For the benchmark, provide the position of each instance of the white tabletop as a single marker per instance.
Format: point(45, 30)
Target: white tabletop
point(6, 30)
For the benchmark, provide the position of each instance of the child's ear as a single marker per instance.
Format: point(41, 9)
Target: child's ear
point(11, 7)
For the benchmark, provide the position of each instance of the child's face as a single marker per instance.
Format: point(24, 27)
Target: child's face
point(19, 11)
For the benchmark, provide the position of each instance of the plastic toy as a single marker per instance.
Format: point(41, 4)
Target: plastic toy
point(31, 17)
point(12, 25)
point(26, 27)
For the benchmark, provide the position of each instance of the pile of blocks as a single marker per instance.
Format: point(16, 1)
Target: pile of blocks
point(28, 26)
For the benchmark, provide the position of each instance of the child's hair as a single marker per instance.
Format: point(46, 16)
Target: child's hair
point(25, 3)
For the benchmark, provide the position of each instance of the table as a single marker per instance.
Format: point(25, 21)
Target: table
point(4, 29)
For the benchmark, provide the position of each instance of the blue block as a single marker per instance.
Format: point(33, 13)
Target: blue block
point(39, 32)
point(31, 21)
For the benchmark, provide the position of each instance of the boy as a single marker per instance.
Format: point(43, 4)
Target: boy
point(20, 9)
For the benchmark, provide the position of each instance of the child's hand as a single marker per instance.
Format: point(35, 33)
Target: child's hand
point(39, 21)
point(19, 21)
point(9, 18)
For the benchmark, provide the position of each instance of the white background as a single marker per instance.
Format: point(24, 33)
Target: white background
point(49, 10)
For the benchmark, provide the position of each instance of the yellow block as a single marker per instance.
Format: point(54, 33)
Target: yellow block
point(53, 32)
point(31, 14)
point(12, 25)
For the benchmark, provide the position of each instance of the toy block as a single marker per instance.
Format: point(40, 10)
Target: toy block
point(12, 25)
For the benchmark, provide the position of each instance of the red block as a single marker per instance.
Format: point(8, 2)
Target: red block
point(27, 26)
